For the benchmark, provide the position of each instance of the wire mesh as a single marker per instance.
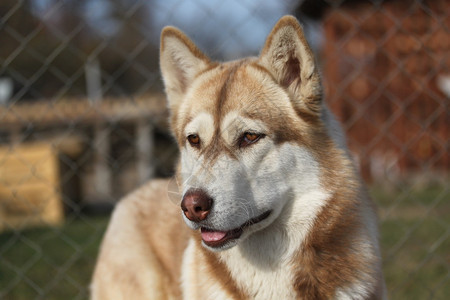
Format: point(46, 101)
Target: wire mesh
point(80, 86)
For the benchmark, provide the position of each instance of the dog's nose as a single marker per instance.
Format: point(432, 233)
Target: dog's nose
point(196, 205)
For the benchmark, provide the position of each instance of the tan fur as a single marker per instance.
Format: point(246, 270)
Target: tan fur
point(331, 252)
point(136, 261)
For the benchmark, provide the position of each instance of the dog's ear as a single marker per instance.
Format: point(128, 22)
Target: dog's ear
point(180, 62)
point(288, 57)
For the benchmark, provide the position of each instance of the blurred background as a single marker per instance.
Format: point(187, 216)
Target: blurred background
point(83, 121)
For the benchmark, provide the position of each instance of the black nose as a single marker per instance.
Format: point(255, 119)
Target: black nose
point(196, 205)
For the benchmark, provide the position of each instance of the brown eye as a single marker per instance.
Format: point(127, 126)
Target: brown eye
point(194, 140)
point(249, 138)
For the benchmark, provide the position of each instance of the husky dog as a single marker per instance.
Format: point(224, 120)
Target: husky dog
point(270, 205)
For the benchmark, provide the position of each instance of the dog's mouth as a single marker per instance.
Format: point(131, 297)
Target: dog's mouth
point(215, 238)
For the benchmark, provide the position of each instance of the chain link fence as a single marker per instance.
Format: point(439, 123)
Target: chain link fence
point(83, 121)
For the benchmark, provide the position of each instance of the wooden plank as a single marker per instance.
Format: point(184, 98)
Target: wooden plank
point(69, 111)
point(29, 186)
point(144, 147)
point(25, 164)
point(103, 175)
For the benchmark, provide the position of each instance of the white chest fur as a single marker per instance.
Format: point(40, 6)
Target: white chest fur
point(261, 266)
point(261, 280)
point(266, 281)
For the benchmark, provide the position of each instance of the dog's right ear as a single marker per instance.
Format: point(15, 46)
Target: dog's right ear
point(180, 62)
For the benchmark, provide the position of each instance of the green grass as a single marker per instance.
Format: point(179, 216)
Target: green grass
point(57, 263)
point(415, 239)
point(50, 263)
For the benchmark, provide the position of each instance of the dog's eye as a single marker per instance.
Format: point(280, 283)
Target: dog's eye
point(194, 140)
point(249, 138)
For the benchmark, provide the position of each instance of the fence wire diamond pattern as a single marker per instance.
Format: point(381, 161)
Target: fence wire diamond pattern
point(83, 121)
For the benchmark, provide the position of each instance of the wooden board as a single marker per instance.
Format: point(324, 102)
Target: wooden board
point(29, 186)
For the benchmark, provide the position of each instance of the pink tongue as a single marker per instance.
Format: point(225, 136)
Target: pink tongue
point(213, 236)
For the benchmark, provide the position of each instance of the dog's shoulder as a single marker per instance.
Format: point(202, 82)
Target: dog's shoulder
point(156, 220)
point(147, 224)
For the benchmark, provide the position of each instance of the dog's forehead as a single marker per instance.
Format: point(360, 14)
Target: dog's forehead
point(236, 86)
point(232, 98)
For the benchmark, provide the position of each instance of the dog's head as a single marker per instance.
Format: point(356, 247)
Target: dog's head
point(250, 132)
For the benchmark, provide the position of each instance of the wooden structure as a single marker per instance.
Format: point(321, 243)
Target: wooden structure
point(67, 123)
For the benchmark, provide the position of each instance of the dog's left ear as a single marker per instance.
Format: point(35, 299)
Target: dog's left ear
point(287, 55)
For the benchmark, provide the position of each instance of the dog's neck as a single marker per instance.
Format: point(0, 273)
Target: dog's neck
point(268, 255)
